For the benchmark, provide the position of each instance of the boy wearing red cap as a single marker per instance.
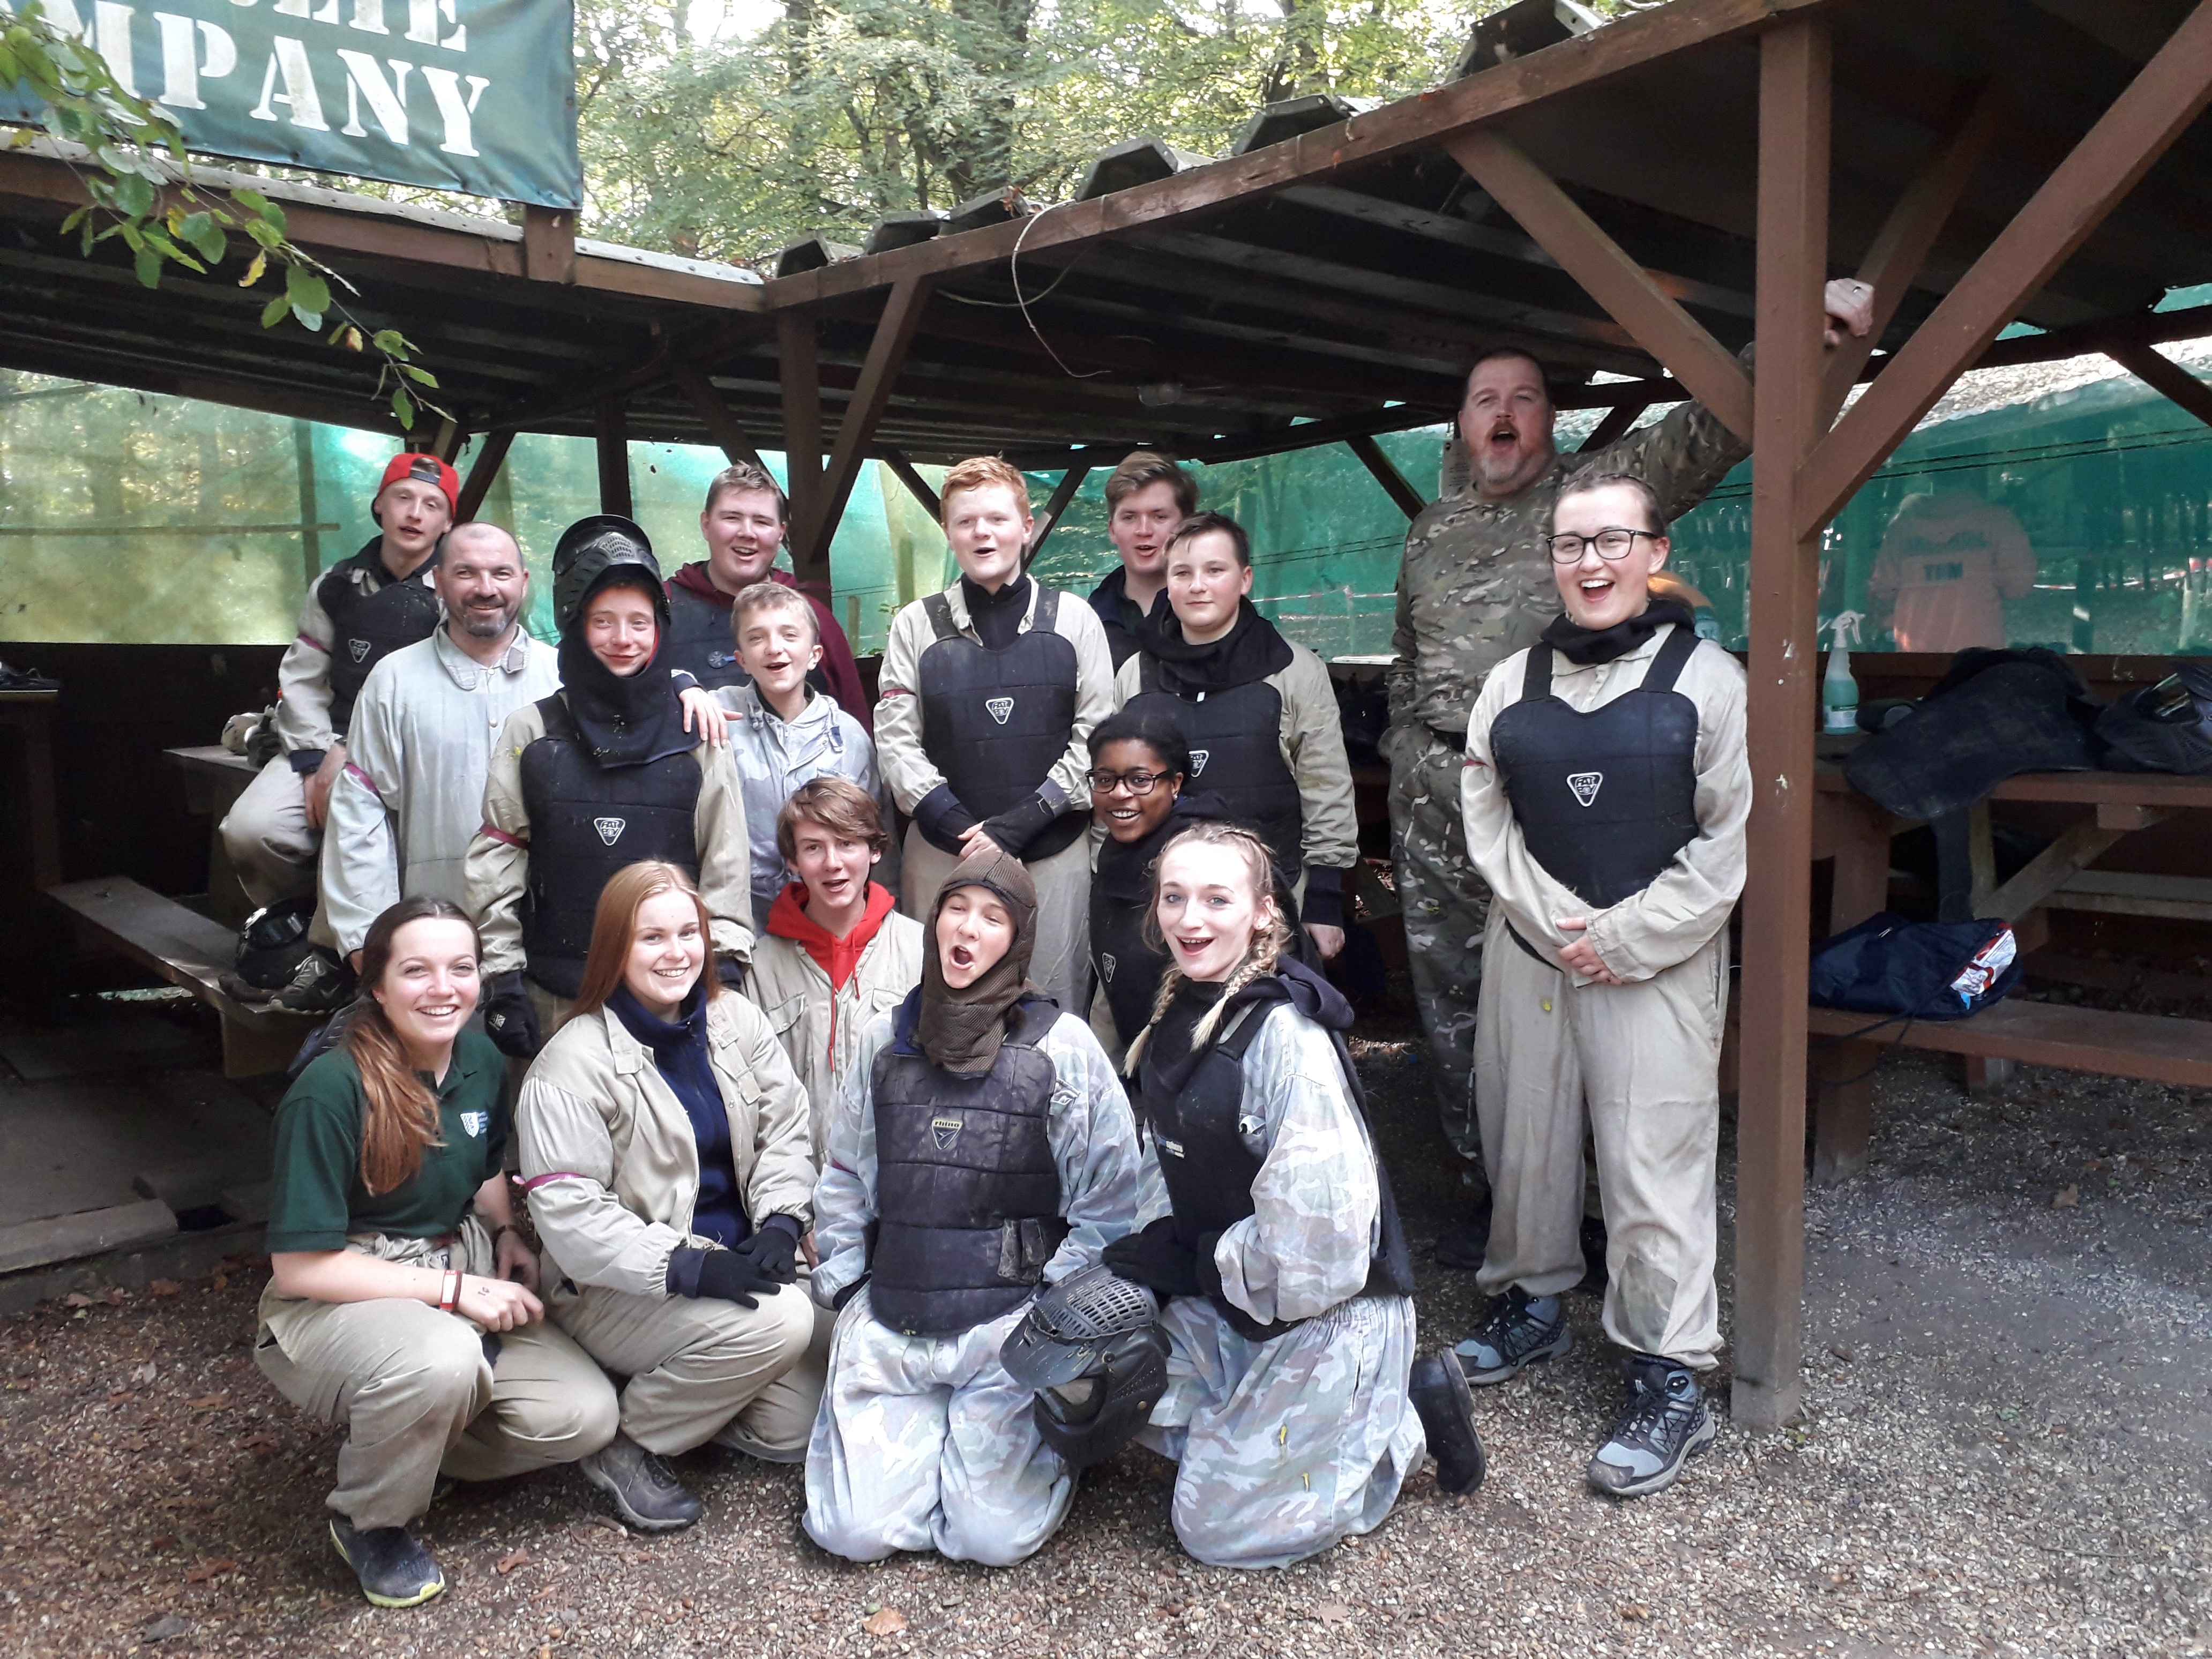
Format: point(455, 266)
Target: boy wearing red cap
point(357, 613)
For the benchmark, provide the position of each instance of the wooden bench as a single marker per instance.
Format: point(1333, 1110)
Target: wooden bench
point(116, 915)
point(2151, 1047)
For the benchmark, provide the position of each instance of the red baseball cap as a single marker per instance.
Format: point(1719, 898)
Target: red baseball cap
point(424, 469)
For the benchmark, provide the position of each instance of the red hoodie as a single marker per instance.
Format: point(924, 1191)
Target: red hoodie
point(838, 957)
point(838, 668)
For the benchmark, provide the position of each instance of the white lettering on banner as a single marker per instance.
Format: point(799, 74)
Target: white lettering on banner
point(387, 103)
point(182, 68)
point(369, 16)
point(289, 59)
point(111, 29)
point(444, 87)
point(422, 25)
point(291, 8)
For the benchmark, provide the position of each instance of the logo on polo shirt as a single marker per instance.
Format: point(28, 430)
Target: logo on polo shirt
point(1198, 759)
point(610, 828)
point(358, 649)
point(945, 1131)
point(1000, 708)
point(1585, 785)
point(474, 1123)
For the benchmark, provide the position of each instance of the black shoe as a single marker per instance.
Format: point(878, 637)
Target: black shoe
point(1438, 1389)
point(1595, 1274)
point(648, 1495)
point(1518, 1330)
point(1664, 1423)
point(1463, 1248)
point(395, 1570)
point(321, 985)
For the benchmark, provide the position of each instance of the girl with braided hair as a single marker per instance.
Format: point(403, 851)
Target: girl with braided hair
point(1294, 1403)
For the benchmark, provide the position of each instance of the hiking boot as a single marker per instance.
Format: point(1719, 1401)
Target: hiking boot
point(1662, 1424)
point(1518, 1330)
point(1437, 1389)
point(648, 1495)
point(321, 985)
point(394, 1570)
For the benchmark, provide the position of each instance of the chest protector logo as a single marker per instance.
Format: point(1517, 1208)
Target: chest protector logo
point(1198, 760)
point(358, 649)
point(1585, 785)
point(1106, 965)
point(945, 1131)
point(610, 829)
point(1000, 708)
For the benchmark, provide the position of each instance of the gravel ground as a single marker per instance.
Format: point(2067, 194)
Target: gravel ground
point(2003, 1451)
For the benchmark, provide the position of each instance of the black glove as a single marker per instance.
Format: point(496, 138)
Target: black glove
point(772, 1250)
point(942, 819)
point(1156, 1258)
point(722, 1275)
point(509, 1017)
point(1018, 826)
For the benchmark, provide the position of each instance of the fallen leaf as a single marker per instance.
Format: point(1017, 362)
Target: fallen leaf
point(119, 1396)
point(517, 1557)
point(164, 1287)
point(2066, 1198)
point(1635, 1611)
point(1333, 1613)
point(207, 1569)
point(207, 1402)
point(168, 1627)
point(221, 1281)
point(1844, 1354)
point(145, 1373)
point(888, 1622)
point(76, 1299)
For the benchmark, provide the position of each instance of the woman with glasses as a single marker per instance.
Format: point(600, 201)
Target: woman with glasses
point(1138, 765)
point(1257, 713)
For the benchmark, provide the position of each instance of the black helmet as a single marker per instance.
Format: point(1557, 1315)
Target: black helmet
point(589, 551)
point(1093, 1350)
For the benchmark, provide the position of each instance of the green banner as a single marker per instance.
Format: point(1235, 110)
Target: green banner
point(473, 95)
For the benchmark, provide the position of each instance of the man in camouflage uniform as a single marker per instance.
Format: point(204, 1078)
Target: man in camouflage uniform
point(1475, 588)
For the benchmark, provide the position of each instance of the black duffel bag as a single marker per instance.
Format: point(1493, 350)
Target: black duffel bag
point(1915, 970)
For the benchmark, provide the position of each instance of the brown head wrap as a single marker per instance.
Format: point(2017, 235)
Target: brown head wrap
point(961, 1031)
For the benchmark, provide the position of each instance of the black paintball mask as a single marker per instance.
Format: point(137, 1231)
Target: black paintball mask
point(1092, 1348)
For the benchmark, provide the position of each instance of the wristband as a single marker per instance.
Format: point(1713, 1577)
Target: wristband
point(449, 1291)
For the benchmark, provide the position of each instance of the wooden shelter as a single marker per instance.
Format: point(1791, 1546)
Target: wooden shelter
point(1632, 205)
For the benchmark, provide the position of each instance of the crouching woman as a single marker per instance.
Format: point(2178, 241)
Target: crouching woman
point(665, 1150)
point(1294, 1403)
point(401, 1301)
point(981, 1147)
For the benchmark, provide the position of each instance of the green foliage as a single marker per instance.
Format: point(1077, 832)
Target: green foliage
point(844, 109)
point(141, 192)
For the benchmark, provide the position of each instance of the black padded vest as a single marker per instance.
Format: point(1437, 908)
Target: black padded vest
point(1604, 799)
point(1209, 1169)
point(995, 721)
point(968, 1208)
point(701, 644)
point(1129, 968)
point(371, 616)
point(587, 821)
point(1236, 739)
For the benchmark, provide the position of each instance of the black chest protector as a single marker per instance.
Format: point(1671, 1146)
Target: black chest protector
point(1210, 1148)
point(367, 624)
point(967, 1199)
point(587, 821)
point(700, 643)
point(995, 721)
point(1604, 799)
point(1129, 968)
point(1236, 753)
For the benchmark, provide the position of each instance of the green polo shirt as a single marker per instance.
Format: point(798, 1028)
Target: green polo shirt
point(316, 1195)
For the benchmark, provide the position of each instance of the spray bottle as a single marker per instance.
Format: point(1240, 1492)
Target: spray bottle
point(1840, 692)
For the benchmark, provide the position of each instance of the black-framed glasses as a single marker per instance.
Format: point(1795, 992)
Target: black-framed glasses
point(1612, 543)
point(1139, 782)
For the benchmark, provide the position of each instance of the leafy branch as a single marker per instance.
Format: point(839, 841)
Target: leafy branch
point(142, 193)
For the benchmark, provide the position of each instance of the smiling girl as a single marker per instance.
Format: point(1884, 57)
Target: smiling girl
point(1294, 1404)
point(401, 1300)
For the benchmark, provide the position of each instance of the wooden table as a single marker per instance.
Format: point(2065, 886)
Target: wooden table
point(32, 713)
point(214, 778)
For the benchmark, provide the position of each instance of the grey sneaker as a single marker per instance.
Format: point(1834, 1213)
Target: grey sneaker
point(1662, 1425)
point(321, 985)
point(648, 1495)
point(394, 1570)
point(1518, 1330)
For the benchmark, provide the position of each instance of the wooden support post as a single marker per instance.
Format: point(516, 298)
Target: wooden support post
point(1386, 472)
point(714, 415)
point(916, 485)
point(1900, 247)
point(614, 457)
point(448, 444)
point(2164, 376)
point(2139, 127)
point(1794, 97)
point(1628, 292)
point(798, 364)
point(1616, 423)
point(311, 534)
point(482, 473)
point(548, 244)
point(871, 392)
point(1062, 494)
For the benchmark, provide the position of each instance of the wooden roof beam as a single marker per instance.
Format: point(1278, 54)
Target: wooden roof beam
point(2163, 375)
point(482, 473)
point(2159, 104)
point(1402, 494)
point(886, 356)
point(916, 485)
point(1055, 506)
point(715, 416)
point(1628, 293)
